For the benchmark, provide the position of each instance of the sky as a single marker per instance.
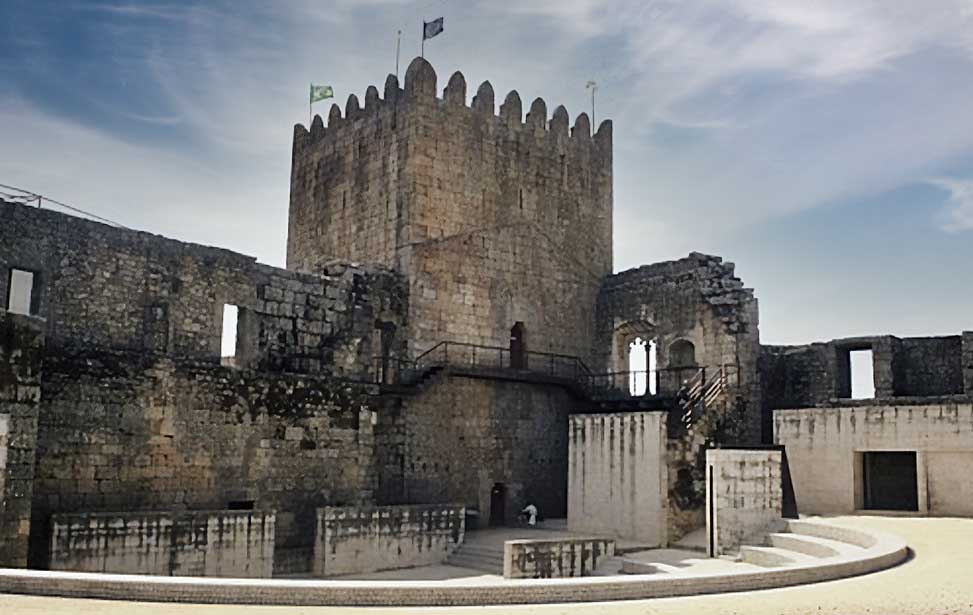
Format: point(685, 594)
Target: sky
point(824, 147)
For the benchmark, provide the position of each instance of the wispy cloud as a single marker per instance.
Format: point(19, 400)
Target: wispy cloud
point(958, 214)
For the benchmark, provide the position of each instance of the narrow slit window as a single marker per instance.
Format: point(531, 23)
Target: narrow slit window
point(228, 344)
point(21, 290)
point(862, 374)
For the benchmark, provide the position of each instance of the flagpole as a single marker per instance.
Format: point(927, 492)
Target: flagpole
point(310, 113)
point(591, 85)
point(398, 47)
point(422, 46)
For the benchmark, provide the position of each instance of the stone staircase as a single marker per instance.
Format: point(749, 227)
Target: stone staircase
point(478, 555)
point(800, 544)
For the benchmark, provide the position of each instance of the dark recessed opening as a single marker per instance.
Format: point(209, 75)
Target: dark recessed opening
point(889, 481)
point(240, 505)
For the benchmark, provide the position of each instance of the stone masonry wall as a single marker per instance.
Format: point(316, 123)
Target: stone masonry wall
point(493, 220)
point(696, 299)
point(104, 287)
point(120, 432)
point(968, 362)
point(459, 436)
point(221, 543)
point(818, 373)
point(352, 540)
point(746, 495)
point(21, 357)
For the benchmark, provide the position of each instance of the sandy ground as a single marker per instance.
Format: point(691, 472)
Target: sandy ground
point(937, 580)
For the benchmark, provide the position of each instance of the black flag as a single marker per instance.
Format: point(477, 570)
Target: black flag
point(432, 28)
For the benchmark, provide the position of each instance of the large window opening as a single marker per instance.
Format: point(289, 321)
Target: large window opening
point(642, 367)
point(228, 344)
point(20, 292)
point(682, 353)
point(862, 374)
point(889, 480)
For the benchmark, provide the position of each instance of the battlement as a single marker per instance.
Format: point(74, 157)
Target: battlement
point(420, 87)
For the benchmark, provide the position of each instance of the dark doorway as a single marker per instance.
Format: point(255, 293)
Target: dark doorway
point(889, 481)
point(498, 505)
point(518, 346)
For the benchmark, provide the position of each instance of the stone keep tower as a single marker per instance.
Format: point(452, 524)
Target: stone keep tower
point(493, 219)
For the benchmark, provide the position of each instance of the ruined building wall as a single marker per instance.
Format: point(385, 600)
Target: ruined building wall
point(818, 373)
point(104, 287)
point(696, 299)
point(138, 414)
point(459, 436)
point(21, 357)
point(492, 219)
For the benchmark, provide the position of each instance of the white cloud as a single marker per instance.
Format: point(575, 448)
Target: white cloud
point(958, 215)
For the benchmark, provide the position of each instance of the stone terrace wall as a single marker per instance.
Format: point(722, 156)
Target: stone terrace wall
point(746, 495)
point(21, 356)
point(367, 539)
point(219, 543)
point(459, 436)
point(123, 432)
point(422, 184)
point(618, 476)
point(698, 299)
point(554, 558)
point(104, 287)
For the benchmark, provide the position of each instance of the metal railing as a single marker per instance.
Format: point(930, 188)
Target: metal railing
point(692, 386)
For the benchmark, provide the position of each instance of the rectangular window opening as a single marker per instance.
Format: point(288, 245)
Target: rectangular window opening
point(240, 505)
point(20, 292)
point(862, 374)
point(228, 344)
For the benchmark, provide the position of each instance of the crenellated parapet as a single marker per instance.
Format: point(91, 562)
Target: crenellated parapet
point(419, 89)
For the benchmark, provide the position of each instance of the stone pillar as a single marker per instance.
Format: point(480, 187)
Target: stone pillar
point(744, 497)
point(21, 349)
point(883, 358)
point(968, 362)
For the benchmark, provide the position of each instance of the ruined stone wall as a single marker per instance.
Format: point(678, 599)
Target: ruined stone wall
point(21, 357)
point(459, 436)
point(104, 287)
point(696, 299)
point(806, 376)
point(928, 366)
point(221, 543)
point(119, 432)
point(493, 220)
point(352, 539)
point(967, 357)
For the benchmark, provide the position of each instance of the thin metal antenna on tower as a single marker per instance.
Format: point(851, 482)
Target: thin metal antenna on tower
point(591, 85)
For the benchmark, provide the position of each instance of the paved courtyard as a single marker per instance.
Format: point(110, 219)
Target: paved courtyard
point(937, 580)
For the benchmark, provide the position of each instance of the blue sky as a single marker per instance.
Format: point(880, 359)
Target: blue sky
point(825, 147)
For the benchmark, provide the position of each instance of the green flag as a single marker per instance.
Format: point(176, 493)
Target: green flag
point(321, 92)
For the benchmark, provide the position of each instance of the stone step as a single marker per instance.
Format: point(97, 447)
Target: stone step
point(488, 550)
point(771, 557)
point(831, 532)
point(461, 560)
point(806, 544)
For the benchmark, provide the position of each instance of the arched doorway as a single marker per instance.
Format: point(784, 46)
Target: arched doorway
point(518, 346)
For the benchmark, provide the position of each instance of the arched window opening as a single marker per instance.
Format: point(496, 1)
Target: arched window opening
point(642, 367)
point(682, 353)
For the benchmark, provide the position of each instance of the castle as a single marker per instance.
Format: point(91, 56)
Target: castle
point(449, 303)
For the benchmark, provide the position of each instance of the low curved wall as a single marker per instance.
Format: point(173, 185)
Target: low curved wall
point(885, 552)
